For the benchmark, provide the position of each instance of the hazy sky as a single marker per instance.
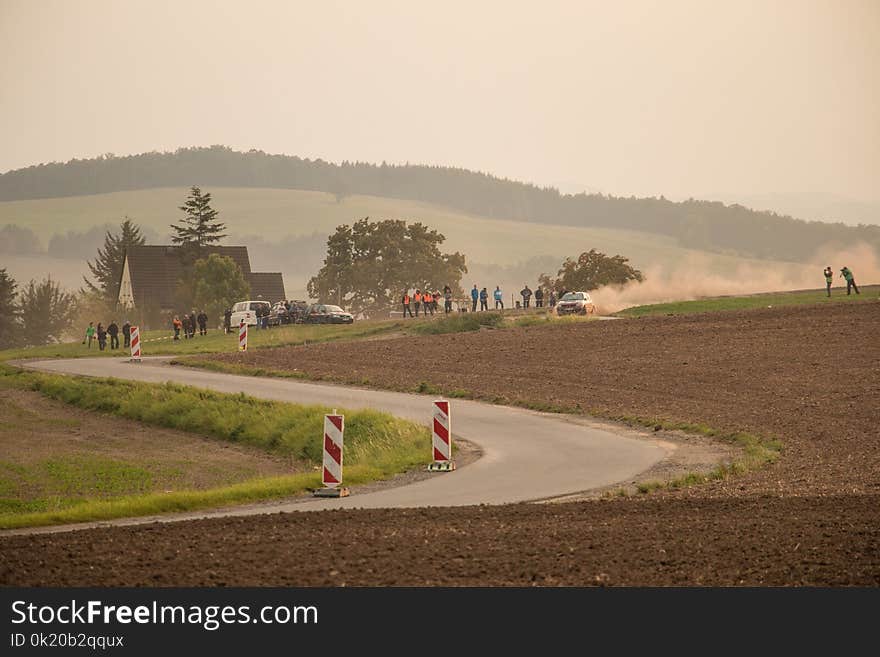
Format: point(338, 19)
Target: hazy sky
point(669, 97)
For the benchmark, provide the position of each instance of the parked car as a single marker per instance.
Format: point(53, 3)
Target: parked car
point(249, 312)
point(575, 303)
point(297, 311)
point(319, 313)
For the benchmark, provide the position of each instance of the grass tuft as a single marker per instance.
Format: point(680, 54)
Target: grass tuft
point(460, 323)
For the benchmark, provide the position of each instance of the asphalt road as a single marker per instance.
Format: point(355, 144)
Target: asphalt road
point(526, 455)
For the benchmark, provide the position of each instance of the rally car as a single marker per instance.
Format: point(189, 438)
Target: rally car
point(575, 303)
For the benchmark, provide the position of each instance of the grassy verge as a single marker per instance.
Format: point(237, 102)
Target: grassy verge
point(458, 323)
point(158, 343)
point(803, 297)
point(377, 444)
point(257, 490)
point(755, 452)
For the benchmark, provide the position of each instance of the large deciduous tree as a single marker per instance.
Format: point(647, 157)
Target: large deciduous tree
point(10, 331)
point(107, 267)
point(198, 227)
point(370, 263)
point(46, 312)
point(590, 271)
point(218, 283)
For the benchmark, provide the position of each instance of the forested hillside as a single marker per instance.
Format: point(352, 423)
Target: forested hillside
point(695, 224)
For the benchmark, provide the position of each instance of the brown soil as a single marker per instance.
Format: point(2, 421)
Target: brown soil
point(805, 375)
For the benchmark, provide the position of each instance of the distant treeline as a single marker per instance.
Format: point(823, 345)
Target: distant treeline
point(72, 245)
point(696, 224)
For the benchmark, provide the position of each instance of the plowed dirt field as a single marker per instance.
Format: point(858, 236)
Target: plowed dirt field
point(808, 376)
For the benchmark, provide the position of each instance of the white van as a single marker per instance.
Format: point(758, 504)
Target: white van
point(248, 312)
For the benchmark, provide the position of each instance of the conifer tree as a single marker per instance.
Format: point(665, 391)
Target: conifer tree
point(107, 267)
point(198, 227)
point(10, 331)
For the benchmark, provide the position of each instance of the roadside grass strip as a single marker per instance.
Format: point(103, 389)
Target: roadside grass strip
point(458, 323)
point(161, 343)
point(377, 445)
point(770, 299)
point(754, 451)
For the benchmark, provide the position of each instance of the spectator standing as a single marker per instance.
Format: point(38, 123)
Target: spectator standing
point(447, 299)
point(126, 334)
point(829, 278)
point(484, 300)
point(417, 299)
point(192, 323)
point(90, 334)
point(227, 320)
point(407, 308)
point(552, 299)
point(113, 332)
point(475, 295)
point(102, 336)
point(539, 297)
point(203, 323)
point(850, 280)
point(499, 299)
point(177, 325)
point(526, 294)
point(429, 302)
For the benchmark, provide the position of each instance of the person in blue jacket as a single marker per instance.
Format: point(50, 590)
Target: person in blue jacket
point(475, 296)
point(499, 302)
point(484, 300)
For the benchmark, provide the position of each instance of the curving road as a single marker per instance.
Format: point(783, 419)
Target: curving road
point(526, 455)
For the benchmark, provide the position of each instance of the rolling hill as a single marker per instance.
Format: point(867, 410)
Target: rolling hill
point(696, 224)
point(500, 252)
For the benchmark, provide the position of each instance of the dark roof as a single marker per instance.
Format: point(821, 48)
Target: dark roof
point(268, 286)
point(155, 271)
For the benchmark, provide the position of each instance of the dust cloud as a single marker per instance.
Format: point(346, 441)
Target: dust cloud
point(691, 279)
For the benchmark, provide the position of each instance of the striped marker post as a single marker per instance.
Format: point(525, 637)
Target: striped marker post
point(135, 345)
point(441, 438)
point(242, 336)
point(331, 477)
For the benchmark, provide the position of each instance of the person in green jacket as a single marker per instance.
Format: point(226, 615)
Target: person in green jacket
point(829, 278)
point(90, 334)
point(850, 280)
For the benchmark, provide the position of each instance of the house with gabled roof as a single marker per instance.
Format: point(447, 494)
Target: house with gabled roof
point(150, 276)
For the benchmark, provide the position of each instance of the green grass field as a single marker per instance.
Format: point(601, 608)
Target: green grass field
point(801, 297)
point(91, 487)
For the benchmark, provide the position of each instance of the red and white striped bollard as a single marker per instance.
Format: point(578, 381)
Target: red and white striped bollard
point(441, 438)
point(331, 476)
point(135, 336)
point(242, 336)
